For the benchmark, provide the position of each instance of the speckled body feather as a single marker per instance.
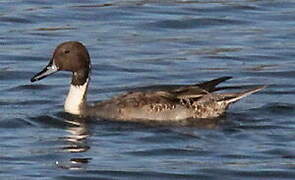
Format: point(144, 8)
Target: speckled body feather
point(171, 105)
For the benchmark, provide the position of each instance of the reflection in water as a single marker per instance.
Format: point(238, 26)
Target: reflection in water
point(76, 143)
point(77, 138)
point(74, 163)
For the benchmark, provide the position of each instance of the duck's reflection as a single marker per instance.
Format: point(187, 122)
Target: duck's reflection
point(76, 142)
point(77, 137)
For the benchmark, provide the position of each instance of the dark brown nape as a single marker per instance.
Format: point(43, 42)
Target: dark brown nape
point(79, 78)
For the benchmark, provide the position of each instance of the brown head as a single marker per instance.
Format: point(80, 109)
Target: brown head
point(68, 56)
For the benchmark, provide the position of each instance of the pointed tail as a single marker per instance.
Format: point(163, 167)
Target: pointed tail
point(234, 97)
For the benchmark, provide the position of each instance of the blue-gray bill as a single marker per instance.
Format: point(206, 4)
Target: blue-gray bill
point(48, 70)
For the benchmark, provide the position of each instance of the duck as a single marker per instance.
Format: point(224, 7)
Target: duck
point(195, 101)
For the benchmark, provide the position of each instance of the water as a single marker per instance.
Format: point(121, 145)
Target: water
point(142, 43)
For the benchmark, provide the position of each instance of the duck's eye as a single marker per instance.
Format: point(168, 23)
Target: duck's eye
point(67, 51)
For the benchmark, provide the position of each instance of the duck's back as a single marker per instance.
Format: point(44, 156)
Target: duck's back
point(158, 106)
point(197, 101)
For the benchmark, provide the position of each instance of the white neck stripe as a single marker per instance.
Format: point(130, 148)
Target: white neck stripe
point(76, 97)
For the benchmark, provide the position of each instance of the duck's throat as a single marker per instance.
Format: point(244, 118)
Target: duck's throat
point(76, 99)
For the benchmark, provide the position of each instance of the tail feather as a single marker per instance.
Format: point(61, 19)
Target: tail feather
point(210, 85)
point(234, 97)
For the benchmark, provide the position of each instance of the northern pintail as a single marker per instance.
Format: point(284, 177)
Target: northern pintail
point(186, 102)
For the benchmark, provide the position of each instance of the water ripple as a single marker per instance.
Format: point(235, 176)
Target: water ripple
point(194, 23)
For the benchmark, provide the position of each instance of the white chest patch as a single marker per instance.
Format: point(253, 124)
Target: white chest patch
point(75, 98)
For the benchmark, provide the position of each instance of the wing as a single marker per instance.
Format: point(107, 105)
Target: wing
point(172, 95)
point(209, 86)
point(198, 90)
